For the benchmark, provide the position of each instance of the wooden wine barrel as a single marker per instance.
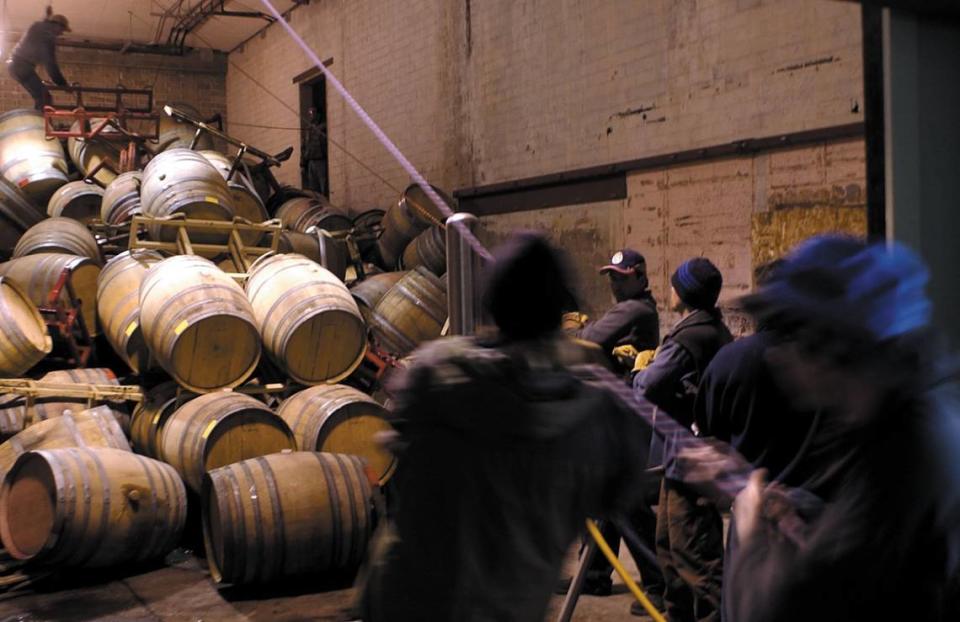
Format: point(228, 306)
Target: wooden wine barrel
point(342, 420)
point(25, 339)
point(180, 181)
point(301, 213)
point(121, 199)
point(368, 222)
point(246, 202)
point(413, 311)
point(177, 135)
point(151, 414)
point(59, 235)
point(405, 219)
point(14, 409)
point(27, 159)
point(198, 324)
point(371, 290)
point(311, 326)
point(118, 304)
point(429, 249)
point(217, 429)
point(38, 275)
point(87, 155)
point(90, 507)
point(286, 515)
point(16, 216)
point(327, 251)
point(12, 422)
point(96, 427)
point(77, 200)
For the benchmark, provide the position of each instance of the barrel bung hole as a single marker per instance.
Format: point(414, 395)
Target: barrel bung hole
point(30, 507)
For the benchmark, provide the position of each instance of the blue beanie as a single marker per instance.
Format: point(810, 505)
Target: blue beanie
point(697, 281)
point(873, 292)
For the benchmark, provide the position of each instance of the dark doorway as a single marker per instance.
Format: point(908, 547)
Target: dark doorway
point(314, 162)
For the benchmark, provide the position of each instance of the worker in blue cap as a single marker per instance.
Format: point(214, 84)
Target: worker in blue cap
point(852, 338)
point(689, 532)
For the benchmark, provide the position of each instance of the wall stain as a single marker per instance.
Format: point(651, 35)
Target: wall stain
point(810, 63)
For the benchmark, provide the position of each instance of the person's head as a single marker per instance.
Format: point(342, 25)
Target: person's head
point(627, 272)
point(695, 285)
point(312, 115)
point(61, 21)
point(526, 287)
point(843, 314)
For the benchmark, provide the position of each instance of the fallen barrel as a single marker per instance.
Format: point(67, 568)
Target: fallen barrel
point(301, 213)
point(329, 252)
point(286, 515)
point(118, 304)
point(311, 326)
point(405, 219)
point(340, 419)
point(27, 159)
point(198, 324)
point(90, 507)
point(17, 215)
point(217, 429)
point(151, 415)
point(25, 339)
point(372, 289)
point(121, 199)
point(412, 312)
point(39, 275)
point(429, 249)
point(59, 235)
point(77, 200)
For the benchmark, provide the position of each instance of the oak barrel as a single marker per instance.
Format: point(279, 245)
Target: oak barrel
point(301, 213)
point(27, 159)
point(406, 218)
point(198, 324)
point(311, 326)
point(96, 427)
point(39, 274)
point(90, 507)
point(14, 409)
point(429, 249)
point(286, 515)
point(118, 304)
point(59, 235)
point(121, 199)
point(180, 181)
point(87, 155)
point(340, 419)
point(247, 204)
point(77, 200)
point(151, 415)
point(16, 216)
point(372, 289)
point(413, 311)
point(217, 429)
point(25, 339)
point(178, 135)
point(329, 252)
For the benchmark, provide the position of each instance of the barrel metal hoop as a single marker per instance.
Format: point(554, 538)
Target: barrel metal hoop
point(336, 543)
point(252, 569)
point(279, 527)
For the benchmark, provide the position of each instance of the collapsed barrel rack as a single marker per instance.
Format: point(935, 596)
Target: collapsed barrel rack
point(242, 254)
point(64, 320)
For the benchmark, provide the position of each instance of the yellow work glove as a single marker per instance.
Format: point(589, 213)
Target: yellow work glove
point(625, 355)
point(643, 360)
point(573, 321)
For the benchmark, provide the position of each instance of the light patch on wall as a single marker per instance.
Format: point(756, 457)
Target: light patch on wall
point(774, 233)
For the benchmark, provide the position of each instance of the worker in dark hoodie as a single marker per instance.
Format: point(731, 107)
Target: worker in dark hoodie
point(39, 47)
point(689, 531)
point(504, 452)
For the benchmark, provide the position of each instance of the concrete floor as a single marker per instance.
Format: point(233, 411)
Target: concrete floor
point(181, 591)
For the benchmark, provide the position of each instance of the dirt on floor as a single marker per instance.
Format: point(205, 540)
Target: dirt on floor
point(181, 591)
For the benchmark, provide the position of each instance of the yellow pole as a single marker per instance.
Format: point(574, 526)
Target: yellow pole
point(631, 584)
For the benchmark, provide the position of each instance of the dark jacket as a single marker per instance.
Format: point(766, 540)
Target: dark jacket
point(39, 47)
point(888, 538)
point(505, 453)
point(632, 322)
point(671, 380)
point(739, 402)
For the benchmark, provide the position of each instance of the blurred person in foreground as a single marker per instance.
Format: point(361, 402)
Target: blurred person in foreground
point(38, 46)
point(503, 453)
point(689, 531)
point(852, 336)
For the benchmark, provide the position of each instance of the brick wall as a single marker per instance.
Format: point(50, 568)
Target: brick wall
point(483, 92)
point(197, 79)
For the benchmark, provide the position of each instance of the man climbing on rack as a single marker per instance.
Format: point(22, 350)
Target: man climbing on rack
point(39, 47)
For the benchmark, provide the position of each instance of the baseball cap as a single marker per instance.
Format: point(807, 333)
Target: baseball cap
point(625, 261)
point(60, 19)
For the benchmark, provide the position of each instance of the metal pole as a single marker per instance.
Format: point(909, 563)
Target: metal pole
point(463, 274)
